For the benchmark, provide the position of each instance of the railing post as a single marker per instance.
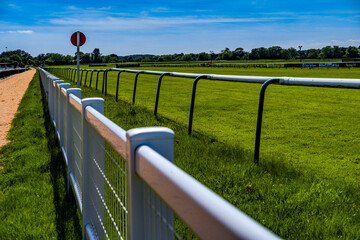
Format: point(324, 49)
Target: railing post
point(61, 115)
point(192, 104)
point(82, 73)
point(71, 74)
point(97, 104)
point(92, 71)
point(117, 85)
point(158, 92)
point(74, 75)
point(135, 84)
point(47, 84)
point(259, 119)
point(106, 81)
point(68, 144)
point(55, 102)
point(58, 104)
point(97, 79)
point(103, 82)
point(161, 139)
point(51, 95)
point(86, 77)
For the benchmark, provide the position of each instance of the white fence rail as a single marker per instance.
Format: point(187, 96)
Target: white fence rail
point(125, 182)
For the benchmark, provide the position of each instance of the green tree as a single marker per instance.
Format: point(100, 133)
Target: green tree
point(55, 58)
point(246, 56)
point(85, 58)
point(178, 57)
point(225, 54)
point(337, 52)
point(96, 55)
point(259, 53)
point(15, 58)
point(186, 57)
point(203, 56)
point(138, 59)
point(285, 54)
point(351, 52)
point(313, 54)
point(274, 52)
point(238, 53)
point(292, 53)
point(68, 59)
point(326, 52)
point(3, 60)
point(147, 59)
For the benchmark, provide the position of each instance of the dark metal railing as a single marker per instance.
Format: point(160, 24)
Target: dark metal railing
point(265, 81)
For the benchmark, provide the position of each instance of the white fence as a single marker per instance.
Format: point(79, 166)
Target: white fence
point(125, 182)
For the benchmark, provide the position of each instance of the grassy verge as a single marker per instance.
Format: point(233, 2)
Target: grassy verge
point(295, 199)
point(34, 202)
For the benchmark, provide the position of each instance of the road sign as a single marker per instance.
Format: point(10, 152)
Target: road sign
point(73, 39)
point(78, 39)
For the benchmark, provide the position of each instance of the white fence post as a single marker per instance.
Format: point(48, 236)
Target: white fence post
point(48, 83)
point(62, 121)
point(68, 145)
point(98, 105)
point(51, 95)
point(160, 139)
point(55, 102)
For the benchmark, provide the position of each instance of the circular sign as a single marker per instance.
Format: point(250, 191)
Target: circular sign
point(73, 39)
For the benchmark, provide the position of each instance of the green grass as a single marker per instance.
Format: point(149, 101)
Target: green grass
point(306, 185)
point(34, 202)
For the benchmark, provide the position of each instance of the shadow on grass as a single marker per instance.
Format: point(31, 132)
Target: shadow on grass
point(68, 222)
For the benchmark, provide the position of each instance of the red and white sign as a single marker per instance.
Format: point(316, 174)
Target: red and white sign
point(73, 39)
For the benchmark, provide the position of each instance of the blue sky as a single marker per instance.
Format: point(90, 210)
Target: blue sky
point(172, 26)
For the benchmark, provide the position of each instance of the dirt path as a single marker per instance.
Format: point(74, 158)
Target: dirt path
point(12, 90)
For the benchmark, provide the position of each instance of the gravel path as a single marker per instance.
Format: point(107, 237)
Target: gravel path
point(12, 90)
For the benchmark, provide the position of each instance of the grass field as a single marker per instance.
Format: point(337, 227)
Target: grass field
point(34, 202)
point(309, 168)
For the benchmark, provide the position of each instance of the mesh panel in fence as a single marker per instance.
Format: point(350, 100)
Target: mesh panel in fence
point(77, 164)
point(64, 123)
point(159, 219)
point(109, 188)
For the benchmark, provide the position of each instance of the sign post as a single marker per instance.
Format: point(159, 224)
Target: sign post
point(78, 39)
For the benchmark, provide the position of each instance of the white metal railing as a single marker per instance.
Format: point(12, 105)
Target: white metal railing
point(125, 182)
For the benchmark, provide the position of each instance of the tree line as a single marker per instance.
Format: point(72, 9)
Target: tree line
point(274, 53)
point(23, 58)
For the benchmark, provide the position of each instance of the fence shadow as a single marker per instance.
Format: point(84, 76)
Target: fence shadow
point(68, 222)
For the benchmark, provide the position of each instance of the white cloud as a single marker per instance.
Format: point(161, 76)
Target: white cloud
point(13, 6)
point(72, 8)
point(160, 9)
point(84, 10)
point(148, 22)
point(105, 8)
point(345, 43)
point(22, 32)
